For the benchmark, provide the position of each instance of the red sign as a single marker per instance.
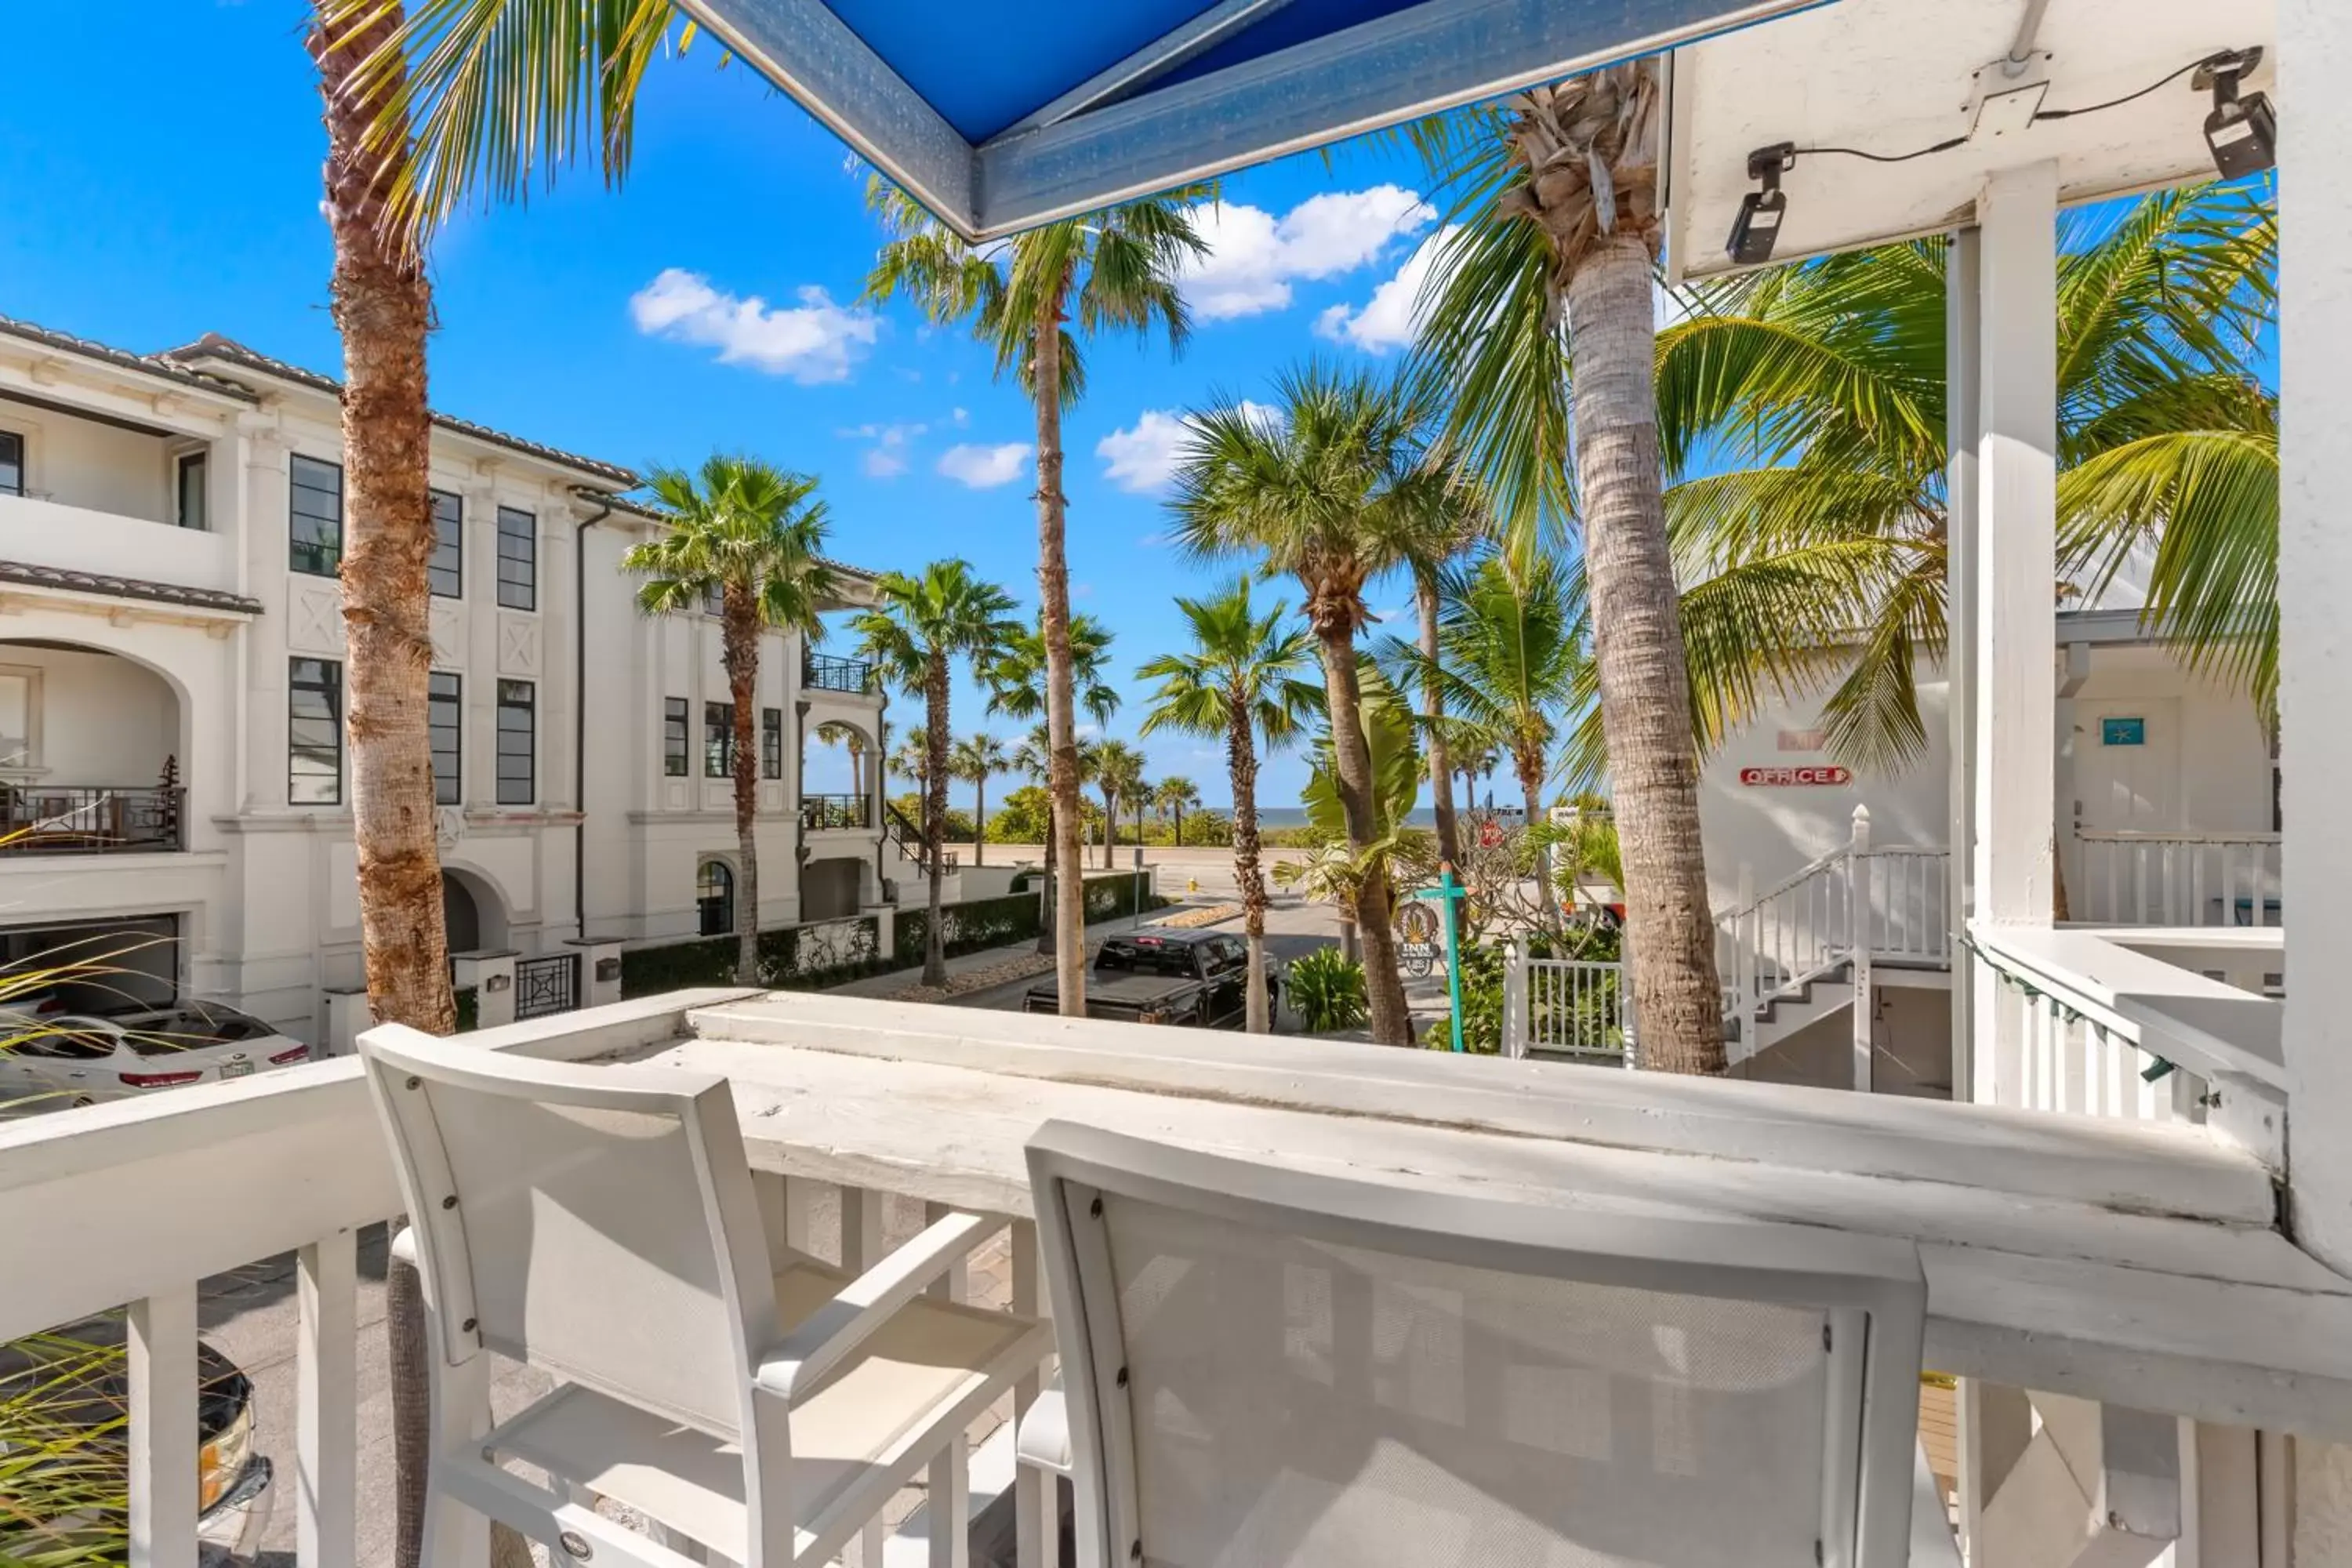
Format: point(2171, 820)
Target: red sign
point(1490, 834)
point(1826, 774)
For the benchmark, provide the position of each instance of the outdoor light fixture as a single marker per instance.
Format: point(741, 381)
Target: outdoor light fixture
point(1758, 228)
point(2242, 133)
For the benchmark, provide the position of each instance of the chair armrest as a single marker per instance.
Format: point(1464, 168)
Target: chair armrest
point(810, 1353)
point(1043, 1438)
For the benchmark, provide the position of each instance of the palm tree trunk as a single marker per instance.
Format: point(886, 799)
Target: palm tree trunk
point(1433, 707)
point(1352, 758)
point(1241, 764)
point(382, 307)
point(1180, 825)
point(1529, 765)
point(980, 821)
point(935, 810)
point(1638, 648)
point(740, 653)
point(1061, 710)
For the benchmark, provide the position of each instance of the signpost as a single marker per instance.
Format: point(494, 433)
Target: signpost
point(1448, 895)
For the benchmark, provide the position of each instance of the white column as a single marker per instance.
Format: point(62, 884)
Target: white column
point(1961, 390)
point(2015, 613)
point(2314, 586)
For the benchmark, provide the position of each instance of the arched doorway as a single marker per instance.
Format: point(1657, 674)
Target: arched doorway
point(714, 897)
point(459, 917)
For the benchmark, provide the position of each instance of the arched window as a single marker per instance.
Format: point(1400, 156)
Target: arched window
point(714, 896)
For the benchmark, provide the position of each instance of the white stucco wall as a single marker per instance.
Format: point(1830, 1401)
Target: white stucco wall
point(98, 468)
point(104, 720)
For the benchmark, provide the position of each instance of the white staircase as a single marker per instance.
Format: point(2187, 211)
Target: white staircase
point(1798, 951)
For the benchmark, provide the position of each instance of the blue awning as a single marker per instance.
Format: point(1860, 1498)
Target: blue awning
point(1000, 114)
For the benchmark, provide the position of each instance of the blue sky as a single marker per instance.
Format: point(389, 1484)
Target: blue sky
point(708, 305)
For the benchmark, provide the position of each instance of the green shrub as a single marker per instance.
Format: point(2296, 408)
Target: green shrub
point(955, 827)
point(792, 958)
point(1327, 991)
point(469, 1013)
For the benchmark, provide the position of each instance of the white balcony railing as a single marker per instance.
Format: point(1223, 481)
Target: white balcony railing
point(79, 539)
point(2176, 878)
point(137, 1204)
point(2142, 1266)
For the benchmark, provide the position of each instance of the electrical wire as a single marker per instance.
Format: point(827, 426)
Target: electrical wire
point(1951, 142)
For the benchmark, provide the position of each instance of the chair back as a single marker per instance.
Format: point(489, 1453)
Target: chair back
point(1266, 1367)
point(597, 1221)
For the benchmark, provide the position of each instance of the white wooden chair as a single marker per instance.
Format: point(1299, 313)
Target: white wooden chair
point(1264, 1368)
point(598, 1222)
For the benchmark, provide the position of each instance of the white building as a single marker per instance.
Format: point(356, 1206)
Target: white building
point(171, 757)
point(2164, 794)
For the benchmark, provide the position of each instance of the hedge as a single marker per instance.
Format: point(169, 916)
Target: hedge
point(849, 947)
point(792, 958)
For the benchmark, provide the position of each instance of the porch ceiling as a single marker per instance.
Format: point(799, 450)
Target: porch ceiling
point(1891, 76)
point(1006, 113)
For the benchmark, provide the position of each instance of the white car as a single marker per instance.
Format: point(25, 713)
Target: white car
point(51, 1059)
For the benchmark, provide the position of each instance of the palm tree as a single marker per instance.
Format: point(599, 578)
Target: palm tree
point(1457, 520)
point(1560, 225)
point(1114, 269)
point(1119, 773)
point(1017, 684)
point(1174, 797)
point(1815, 552)
point(918, 628)
point(1512, 662)
point(1331, 490)
point(912, 759)
point(754, 534)
point(382, 306)
point(976, 760)
point(834, 733)
point(1241, 681)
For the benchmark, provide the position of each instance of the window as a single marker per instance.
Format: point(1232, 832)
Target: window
point(446, 569)
point(714, 599)
point(443, 706)
point(315, 526)
point(188, 486)
point(12, 463)
point(518, 559)
point(718, 739)
point(714, 897)
point(314, 732)
point(518, 742)
point(674, 737)
point(771, 742)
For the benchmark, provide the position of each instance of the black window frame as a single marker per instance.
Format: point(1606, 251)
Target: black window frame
point(199, 460)
point(678, 737)
point(714, 912)
point(13, 438)
point(321, 556)
point(518, 559)
point(517, 696)
point(771, 742)
point(444, 716)
point(714, 599)
point(324, 680)
point(718, 740)
point(448, 562)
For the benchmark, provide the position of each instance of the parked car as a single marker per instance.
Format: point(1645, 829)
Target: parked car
point(64, 1416)
point(1194, 979)
point(51, 1057)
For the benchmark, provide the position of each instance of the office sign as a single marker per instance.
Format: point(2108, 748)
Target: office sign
point(1780, 778)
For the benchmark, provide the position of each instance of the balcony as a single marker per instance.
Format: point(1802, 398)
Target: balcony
point(826, 672)
point(91, 819)
point(832, 813)
point(2143, 1267)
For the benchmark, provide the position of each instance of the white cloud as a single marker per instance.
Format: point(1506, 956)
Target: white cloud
point(1387, 320)
point(1143, 456)
point(985, 468)
point(1253, 256)
point(885, 455)
point(815, 341)
point(961, 415)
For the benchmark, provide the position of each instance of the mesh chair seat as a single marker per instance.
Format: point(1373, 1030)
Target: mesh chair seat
point(849, 1454)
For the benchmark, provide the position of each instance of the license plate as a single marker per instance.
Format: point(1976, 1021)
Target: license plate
point(236, 1070)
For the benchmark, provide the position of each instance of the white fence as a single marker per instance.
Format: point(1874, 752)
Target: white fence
point(1577, 1006)
point(2176, 878)
point(135, 1203)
